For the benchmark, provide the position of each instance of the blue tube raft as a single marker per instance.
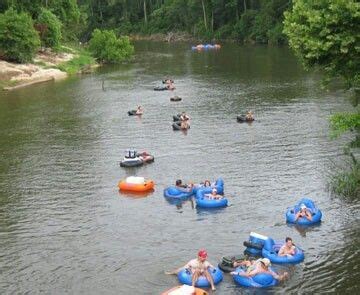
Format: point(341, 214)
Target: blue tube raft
point(185, 276)
point(203, 201)
point(262, 280)
point(310, 205)
point(173, 192)
point(271, 250)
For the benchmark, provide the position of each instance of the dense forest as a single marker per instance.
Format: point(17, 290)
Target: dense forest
point(244, 20)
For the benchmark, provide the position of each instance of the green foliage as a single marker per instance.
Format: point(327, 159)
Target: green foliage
point(347, 184)
point(276, 35)
point(49, 28)
point(19, 41)
point(243, 28)
point(342, 122)
point(107, 48)
point(326, 33)
point(77, 64)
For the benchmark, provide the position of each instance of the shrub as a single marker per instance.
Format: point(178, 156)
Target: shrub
point(19, 41)
point(107, 48)
point(49, 28)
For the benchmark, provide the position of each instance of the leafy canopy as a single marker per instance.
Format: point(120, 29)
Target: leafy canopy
point(49, 27)
point(107, 48)
point(19, 41)
point(326, 33)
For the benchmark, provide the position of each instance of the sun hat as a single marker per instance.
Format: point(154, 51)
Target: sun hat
point(302, 206)
point(266, 261)
point(202, 253)
point(214, 190)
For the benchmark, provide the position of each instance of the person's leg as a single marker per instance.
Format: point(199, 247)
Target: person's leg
point(195, 277)
point(210, 279)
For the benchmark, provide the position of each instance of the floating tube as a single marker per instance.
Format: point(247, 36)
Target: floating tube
point(219, 185)
point(227, 262)
point(176, 118)
point(173, 192)
point(131, 162)
point(242, 119)
point(132, 113)
point(177, 126)
point(136, 184)
point(145, 157)
point(184, 289)
point(175, 98)
point(255, 244)
point(161, 88)
point(316, 213)
point(203, 201)
point(185, 275)
point(271, 250)
point(262, 280)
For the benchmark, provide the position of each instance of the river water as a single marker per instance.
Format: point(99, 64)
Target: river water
point(65, 228)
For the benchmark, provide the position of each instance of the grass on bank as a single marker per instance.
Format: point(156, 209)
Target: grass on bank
point(347, 183)
point(82, 62)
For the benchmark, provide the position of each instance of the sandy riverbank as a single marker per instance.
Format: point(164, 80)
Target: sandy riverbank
point(43, 69)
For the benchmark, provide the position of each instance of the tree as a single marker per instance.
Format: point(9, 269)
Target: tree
point(50, 28)
point(326, 33)
point(107, 48)
point(19, 41)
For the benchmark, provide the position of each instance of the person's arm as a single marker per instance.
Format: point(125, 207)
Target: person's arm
point(278, 277)
point(281, 251)
point(308, 215)
point(176, 271)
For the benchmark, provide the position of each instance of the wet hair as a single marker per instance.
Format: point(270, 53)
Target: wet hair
point(178, 182)
point(288, 239)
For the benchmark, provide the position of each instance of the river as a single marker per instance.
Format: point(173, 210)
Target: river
point(65, 228)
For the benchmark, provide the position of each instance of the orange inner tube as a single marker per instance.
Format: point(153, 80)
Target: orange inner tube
point(198, 291)
point(135, 187)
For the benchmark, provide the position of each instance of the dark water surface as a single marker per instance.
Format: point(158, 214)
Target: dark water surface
point(65, 228)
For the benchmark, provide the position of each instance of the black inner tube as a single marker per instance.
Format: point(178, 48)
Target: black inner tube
point(257, 246)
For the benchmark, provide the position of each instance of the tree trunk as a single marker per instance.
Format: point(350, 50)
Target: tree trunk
point(145, 15)
point(204, 11)
point(244, 5)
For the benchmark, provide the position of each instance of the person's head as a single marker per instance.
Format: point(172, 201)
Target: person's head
point(202, 255)
point(288, 241)
point(214, 191)
point(207, 183)
point(302, 207)
point(178, 182)
point(139, 107)
point(265, 262)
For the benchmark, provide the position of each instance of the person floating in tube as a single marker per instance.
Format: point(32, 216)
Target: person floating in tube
point(198, 267)
point(260, 266)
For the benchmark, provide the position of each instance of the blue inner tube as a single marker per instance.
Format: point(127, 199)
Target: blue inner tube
point(174, 192)
point(205, 202)
point(185, 276)
point(316, 213)
point(262, 280)
point(271, 250)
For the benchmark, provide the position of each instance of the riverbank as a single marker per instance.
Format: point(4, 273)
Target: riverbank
point(47, 66)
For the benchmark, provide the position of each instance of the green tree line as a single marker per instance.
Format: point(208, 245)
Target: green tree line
point(244, 20)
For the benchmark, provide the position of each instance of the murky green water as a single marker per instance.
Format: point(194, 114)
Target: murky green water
point(65, 228)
